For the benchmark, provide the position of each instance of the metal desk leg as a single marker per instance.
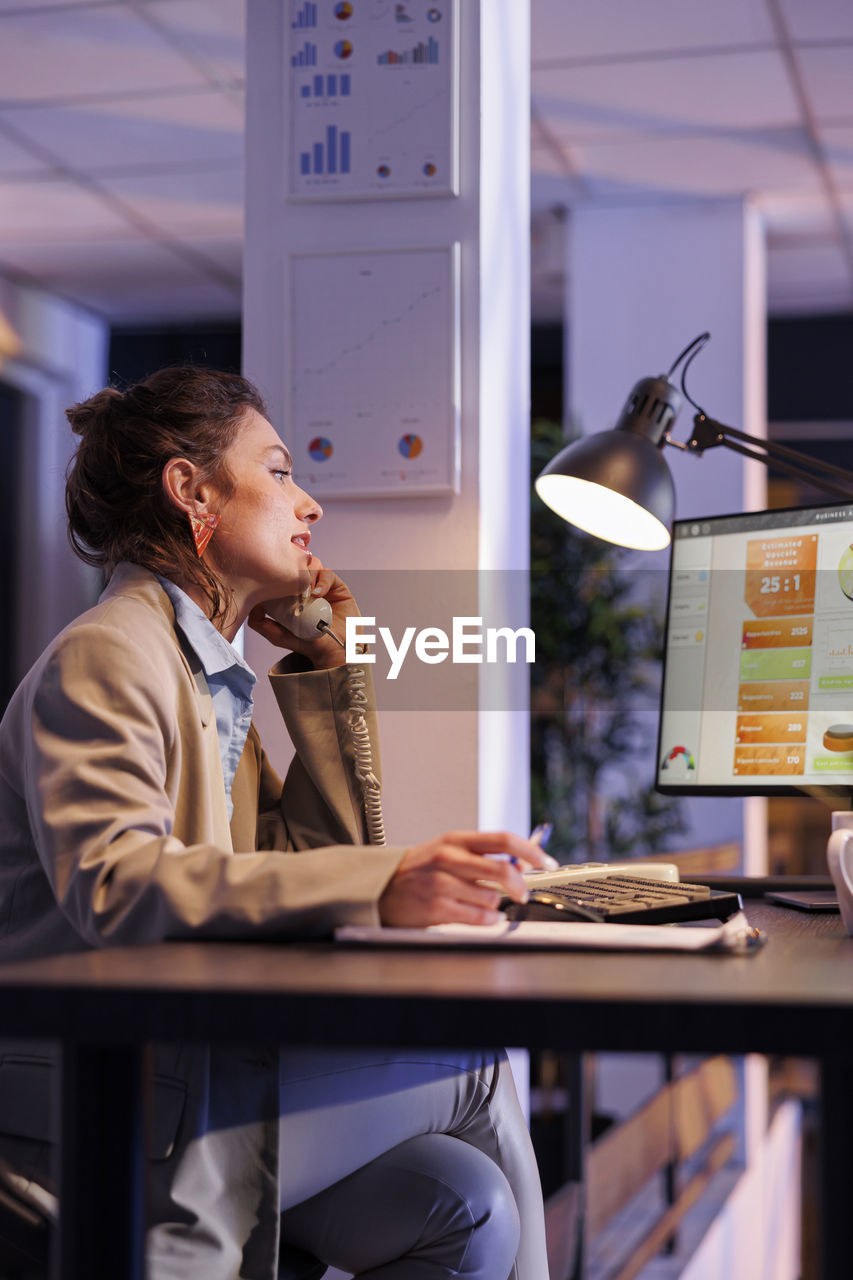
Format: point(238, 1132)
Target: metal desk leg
point(579, 1082)
point(102, 1163)
point(670, 1169)
point(836, 1167)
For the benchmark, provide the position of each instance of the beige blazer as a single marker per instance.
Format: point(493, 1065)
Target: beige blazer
point(114, 831)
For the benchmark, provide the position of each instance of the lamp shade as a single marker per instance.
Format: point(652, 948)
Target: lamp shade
point(616, 484)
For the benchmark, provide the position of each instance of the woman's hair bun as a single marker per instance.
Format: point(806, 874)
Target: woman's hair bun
point(90, 417)
point(117, 506)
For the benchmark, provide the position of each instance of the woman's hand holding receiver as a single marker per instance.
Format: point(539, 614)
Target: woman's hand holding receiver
point(270, 619)
point(457, 879)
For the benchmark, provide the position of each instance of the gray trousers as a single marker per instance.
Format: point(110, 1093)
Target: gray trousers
point(409, 1165)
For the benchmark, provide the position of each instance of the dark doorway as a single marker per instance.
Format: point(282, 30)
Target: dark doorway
point(137, 352)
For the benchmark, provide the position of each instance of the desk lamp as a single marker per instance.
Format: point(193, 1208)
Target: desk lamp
point(616, 484)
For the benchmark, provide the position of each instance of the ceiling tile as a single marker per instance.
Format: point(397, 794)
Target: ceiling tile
point(189, 128)
point(592, 29)
point(57, 211)
point(16, 159)
point(49, 54)
point(214, 29)
point(122, 279)
point(701, 166)
point(184, 203)
point(225, 252)
point(818, 19)
point(31, 6)
point(649, 124)
point(837, 142)
point(732, 91)
point(548, 160)
point(846, 203)
point(828, 78)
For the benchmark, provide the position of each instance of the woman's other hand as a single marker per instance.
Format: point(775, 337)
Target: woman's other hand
point(453, 880)
point(322, 652)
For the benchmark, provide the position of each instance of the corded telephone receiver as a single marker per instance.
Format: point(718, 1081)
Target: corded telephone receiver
point(305, 619)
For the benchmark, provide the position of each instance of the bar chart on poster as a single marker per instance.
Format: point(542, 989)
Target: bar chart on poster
point(372, 98)
point(374, 372)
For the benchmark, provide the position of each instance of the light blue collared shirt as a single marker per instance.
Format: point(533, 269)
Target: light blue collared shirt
point(230, 680)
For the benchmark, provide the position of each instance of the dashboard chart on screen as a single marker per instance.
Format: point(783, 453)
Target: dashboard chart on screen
point(757, 690)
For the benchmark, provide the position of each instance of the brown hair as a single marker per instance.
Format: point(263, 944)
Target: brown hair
point(117, 508)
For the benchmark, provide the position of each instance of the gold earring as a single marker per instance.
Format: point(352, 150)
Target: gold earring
point(203, 528)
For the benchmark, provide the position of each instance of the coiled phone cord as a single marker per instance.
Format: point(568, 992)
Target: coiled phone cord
point(370, 786)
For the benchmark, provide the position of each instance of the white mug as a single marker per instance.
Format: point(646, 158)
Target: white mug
point(839, 857)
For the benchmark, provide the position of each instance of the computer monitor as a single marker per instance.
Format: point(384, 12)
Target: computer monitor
point(757, 694)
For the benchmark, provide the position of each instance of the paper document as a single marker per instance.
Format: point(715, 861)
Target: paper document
point(737, 934)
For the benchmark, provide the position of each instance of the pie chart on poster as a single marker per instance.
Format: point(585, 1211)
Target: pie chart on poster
point(343, 11)
point(845, 572)
point(320, 449)
point(343, 49)
point(410, 446)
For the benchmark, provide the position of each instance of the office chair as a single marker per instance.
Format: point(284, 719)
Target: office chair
point(26, 1223)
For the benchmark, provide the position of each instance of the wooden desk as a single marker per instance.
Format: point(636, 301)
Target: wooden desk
point(793, 997)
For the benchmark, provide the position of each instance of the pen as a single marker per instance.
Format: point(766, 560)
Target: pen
point(539, 835)
point(542, 834)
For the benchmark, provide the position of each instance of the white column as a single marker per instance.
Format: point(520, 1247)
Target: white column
point(643, 280)
point(442, 768)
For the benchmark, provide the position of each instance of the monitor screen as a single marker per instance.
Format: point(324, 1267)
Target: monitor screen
point(757, 695)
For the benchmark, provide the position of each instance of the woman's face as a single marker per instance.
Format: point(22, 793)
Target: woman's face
point(260, 548)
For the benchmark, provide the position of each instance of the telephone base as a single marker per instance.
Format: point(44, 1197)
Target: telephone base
point(664, 871)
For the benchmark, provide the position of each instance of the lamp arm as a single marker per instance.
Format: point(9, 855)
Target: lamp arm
point(707, 433)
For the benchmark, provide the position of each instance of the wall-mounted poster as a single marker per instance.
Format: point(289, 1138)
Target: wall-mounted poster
point(372, 98)
point(374, 372)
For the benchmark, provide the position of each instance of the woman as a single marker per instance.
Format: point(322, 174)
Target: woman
point(136, 804)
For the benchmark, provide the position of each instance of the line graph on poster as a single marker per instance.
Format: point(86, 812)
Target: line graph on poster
point(374, 372)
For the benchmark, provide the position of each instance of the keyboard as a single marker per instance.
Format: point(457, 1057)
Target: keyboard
point(620, 894)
